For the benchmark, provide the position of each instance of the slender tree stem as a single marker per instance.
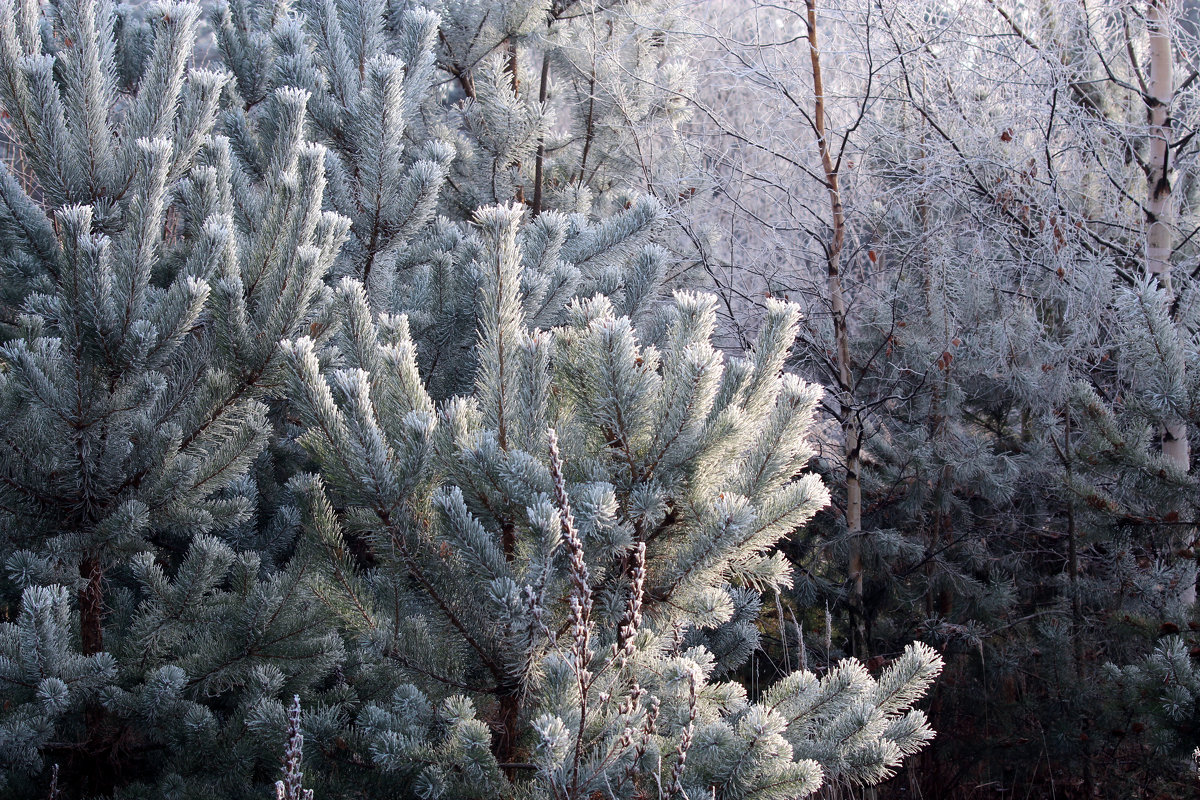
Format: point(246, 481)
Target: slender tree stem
point(851, 426)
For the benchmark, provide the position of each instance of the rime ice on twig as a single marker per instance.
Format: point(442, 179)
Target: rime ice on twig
point(581, 592)
point(631, 620)
point(581, 597)
point(685, 740)
point(290, 788)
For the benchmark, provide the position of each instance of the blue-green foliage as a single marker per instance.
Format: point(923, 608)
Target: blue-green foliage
point(279, 414)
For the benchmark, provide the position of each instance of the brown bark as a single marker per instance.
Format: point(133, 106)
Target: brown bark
point(91, 606)
point(539, 160)
point(504, 742)
point(515, 75)
point(97, 761)
point(589, 127)
point(1076, 600)
point(851, 427)
point(513, 72)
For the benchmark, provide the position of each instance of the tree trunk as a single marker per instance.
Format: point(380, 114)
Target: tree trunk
point(1158, 204)
point(540, 158)
point(514, 73)
point(1077, 620)
point(504, 742)
point(851, 427)
point(96, 765)
point(1161, 87)
point(91, 606)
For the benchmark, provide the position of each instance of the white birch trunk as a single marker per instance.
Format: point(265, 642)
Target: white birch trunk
point(1175, 447)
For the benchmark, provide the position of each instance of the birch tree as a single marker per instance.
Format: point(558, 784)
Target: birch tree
point(1013, 351)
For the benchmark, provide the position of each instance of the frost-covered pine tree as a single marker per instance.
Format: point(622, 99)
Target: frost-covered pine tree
point(369, 74)
point(147, 288)
point(524, 565)
point(565, 104)
point(405, 152)
point(1159, 695)
point(280, 417)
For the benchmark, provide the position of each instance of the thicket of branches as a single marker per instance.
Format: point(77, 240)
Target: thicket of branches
point(988, 211)
point(348, 417)
point(576, 399)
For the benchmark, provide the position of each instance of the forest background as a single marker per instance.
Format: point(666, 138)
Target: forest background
point(980, 216)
